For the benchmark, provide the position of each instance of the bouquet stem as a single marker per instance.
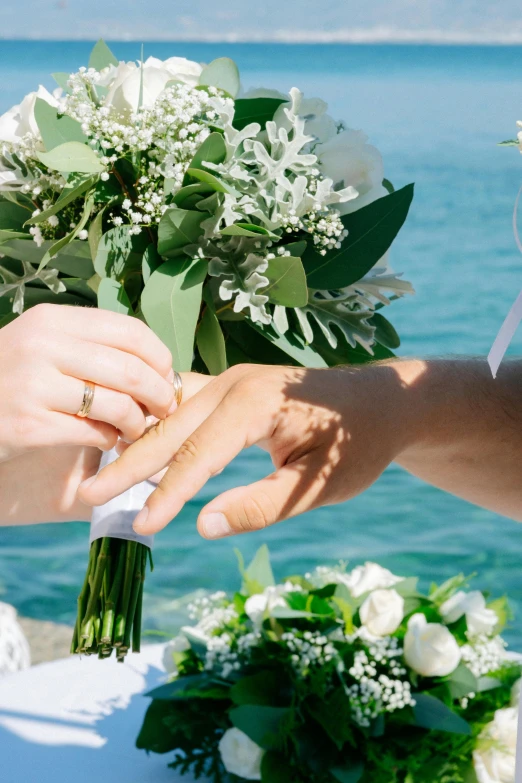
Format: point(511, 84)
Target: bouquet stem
point(110, 601)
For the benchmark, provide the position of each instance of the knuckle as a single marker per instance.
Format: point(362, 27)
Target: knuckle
point(187, 452)
point(254, 513)
point(132, 373)
point(125, 408)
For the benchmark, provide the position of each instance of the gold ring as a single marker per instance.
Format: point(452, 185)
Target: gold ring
point(88, 399)
point(178, 388)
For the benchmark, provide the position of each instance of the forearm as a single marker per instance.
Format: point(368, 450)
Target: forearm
point(464, 429)
point(41, 486)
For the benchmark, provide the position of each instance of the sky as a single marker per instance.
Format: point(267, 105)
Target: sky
point(450, 21)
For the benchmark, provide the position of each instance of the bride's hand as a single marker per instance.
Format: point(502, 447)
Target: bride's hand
point(322, 429)
point(46, 356)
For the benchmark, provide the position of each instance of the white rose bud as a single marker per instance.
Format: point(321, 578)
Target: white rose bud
point(261, 604)
point(382, 612)
point(429, 648)
point(479, 619)
point(20, 120)
point(240, 755)
point(369, 576)
point(494, 757)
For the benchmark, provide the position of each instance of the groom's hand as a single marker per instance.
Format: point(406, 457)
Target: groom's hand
point(324, 429)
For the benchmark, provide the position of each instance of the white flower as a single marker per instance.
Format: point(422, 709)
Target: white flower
point(348, 160)
point(494, 758)
point(14, 649)
point(261, 604)
point(240, 755)
point(178, 644)
point(369, 576)
point(382, 612)
point(180, 69)
point(479, 619)
point(429, 648)
point(20, 120)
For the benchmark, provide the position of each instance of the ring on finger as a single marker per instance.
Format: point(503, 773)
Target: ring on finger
point(178, 388)
point(88, 399)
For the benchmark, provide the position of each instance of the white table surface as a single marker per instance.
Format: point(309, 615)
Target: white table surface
point(76, 721)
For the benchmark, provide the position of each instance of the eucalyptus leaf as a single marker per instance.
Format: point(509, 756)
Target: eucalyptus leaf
point(259, 574)
point(385, 332)
point(212, 150)
point(260, 110)
point(171, 302)
point(120, 253)
point(211, 343)
point(276, 769)
point(67, 195)
point(55, 129)
point(209, 179)
point(151, 261)
point(61, 243)
point(198, 189)
point(74, 259)
point(287, 282)
point(461, 682)
point(247, 230)
point(293, 345)
point(61, 80)
point(112, 296)
point(72, 156)
point(177, 229)
point(101, 56)
point(431, 713)
point(75, 285)
point(222, 73)
point(96, 232)
point(261, 723)
point(371, 231)
point(348, 774)
point(12, 216)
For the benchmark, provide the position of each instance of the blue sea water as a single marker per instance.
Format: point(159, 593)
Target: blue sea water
point(436, 114)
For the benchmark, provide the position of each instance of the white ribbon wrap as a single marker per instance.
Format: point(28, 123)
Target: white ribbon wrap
point(115, 518)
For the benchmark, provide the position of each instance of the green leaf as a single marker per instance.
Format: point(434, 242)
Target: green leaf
point(461, 682)
point(101, 56)
point(222, 73)
point(293, 345)
point(264, 688)
point(262, 724)
point(215, 184)
point(61, 80)
point(96, 233)
point(385, 333)
point(287, 285)
point(191, 193)
point(371, 231)
point(211, 343)
point(431, 713)
point(171, 302)
point(259, 573)
point(213, 150)
point(66, 240)
point(351, 774)
point(56, 129)
point(487, 683)
point(276, 769)
point(177, 229)
point(119, 253)
point(112, 296)
point(75, 285)
point(12, 216)
point(388, 185)
point(72, 157)
point(67, 195)
point(408, 587)
point(74, 259)
point(247, 230)
point(259, 110)
point(172, 689)
point(334, 715)
point(509, 143)
point(151, 261)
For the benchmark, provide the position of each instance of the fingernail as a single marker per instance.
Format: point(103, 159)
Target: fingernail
point(88, 482)
point(215, 526)
point(141, 519)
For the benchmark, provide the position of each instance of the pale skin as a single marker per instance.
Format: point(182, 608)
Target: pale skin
point(330, 434)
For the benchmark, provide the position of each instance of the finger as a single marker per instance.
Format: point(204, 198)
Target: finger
point(110, 406)
point(119, 371)
point(291, 490)
point(72, 431)
point(113, 330)
point(155, 450)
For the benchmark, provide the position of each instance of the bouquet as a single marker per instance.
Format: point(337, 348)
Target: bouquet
point(339, 677)
point(241, 229)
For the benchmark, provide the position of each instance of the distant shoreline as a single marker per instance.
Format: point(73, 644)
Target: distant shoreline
point(342, 38)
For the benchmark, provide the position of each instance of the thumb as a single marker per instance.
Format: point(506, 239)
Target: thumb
point(291, 490)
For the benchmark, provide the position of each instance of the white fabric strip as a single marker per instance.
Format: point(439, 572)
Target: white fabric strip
point(115, 518)
point(513, 318)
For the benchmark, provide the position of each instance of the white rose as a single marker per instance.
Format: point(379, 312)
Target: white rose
point(369, 576)
point(494, 758)
point(178, 644)
point(382, 612)
point(261, 604)
point(479, 619)
point(14, 648)
point(240, 755)
point(20, 120)
point(180, 69)
point(348, 160)
point(429, 648)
